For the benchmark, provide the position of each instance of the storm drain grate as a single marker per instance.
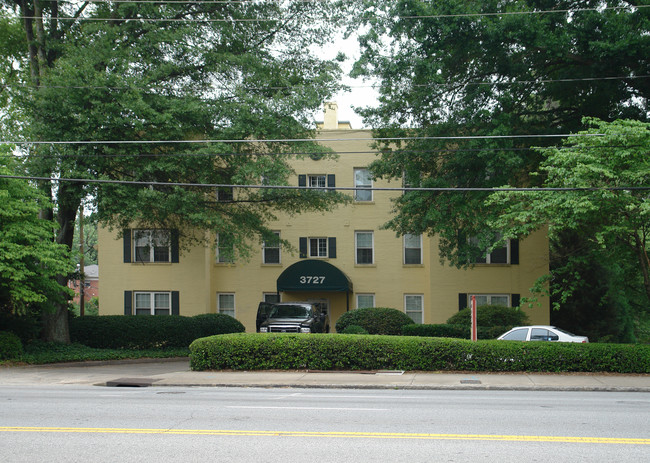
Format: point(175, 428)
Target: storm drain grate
point(131, 382)
point(470, 381)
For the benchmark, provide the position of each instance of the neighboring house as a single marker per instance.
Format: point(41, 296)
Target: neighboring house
point(345, 260)
point(91, 284)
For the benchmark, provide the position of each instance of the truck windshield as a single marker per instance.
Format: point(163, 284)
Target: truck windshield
point(290, 311)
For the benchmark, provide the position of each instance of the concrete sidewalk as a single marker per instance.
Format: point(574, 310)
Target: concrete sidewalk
point(176, 372)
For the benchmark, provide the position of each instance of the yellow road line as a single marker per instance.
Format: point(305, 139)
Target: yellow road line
point(364, 435)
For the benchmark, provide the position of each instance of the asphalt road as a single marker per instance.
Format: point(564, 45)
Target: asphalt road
point(96, 424)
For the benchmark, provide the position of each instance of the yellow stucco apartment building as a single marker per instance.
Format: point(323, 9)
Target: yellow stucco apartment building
point(346, 260)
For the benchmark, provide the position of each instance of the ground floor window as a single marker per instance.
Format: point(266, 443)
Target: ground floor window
point(271, 297)
point(226, 303)
point(413, 306)
point(489, 299)
point(365, 300)
point(152, 303)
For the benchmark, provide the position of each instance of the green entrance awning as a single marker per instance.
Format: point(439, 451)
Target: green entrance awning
point(313, 275)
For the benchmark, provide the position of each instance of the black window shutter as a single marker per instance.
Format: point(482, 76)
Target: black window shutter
point(175, 303)
point(462, 301)
point(127, 244)
point(303, 248)
point(302, 180)
point(515, 300)
point(331, 247)
point(174, 246)
point(128, 302)
point(331, 180)
point(514, 251)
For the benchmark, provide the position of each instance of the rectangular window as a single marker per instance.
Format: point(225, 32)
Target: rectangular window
point(499, 255)
point(365, 300)
point(152, 245)
point(364, 247)
point(489, 299)
point(152, 303)
point(271, 251)
point(225, 194)
point(271, 297)
point(413, 304)
point(412, 249)
point(317, 181)
point(318, 247)
point(226, 303)
point(225, 248)
point(363, 185)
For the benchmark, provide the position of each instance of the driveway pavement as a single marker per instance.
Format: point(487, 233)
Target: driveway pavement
point(176, 372)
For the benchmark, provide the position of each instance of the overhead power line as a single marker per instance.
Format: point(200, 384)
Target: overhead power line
point(291, 140)
point(305, 188)
point(630, 8)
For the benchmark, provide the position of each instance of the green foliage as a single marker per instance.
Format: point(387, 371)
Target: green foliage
point(375, 320)
point(364, 352)
point(148, 332)
point(454, 331)
point(26, 327)
point(29, 259)
point(38, 353)
point(90, 308)
point(10, 346)
point(354, 329)
point(490, 315)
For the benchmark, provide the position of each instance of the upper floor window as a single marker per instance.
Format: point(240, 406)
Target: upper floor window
point(151, 245)
point(506, 253)
point(320, 247)
point(225, 194)
point(271, 251)
point(364, 244)
point(412, 249)
point(363, 185)
point(225, 248)
point(317, 181)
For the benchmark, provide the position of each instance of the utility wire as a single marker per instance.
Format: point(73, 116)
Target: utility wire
point(309, 87)
point(629, 8)
point(306, 188)
point(292, 140)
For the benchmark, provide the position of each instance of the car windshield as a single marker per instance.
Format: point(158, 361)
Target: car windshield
point(290, 311)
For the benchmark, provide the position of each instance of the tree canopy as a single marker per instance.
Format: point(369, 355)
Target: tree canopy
point(191, 93)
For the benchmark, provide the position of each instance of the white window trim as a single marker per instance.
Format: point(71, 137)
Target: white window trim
point(366, 295)
point(363, 187)
point(489, 297)
point(149, 232)
point(421, 309)
point(234, 303)
point(152, 307)
point(278, 247)
point(356, 247)
point(317, 178)
point(318, 256)
point(404, 248)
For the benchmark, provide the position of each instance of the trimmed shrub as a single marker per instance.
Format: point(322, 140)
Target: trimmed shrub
point(375, 320)
point(147, 332)
point(490, 315)
point(453, 331)
point(10, 346)
point(26, 327)
point(354, 329)
point(262, 351)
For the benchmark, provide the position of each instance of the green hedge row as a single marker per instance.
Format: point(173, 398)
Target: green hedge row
point(146, 332)
point(453, 331)
point(372, 352)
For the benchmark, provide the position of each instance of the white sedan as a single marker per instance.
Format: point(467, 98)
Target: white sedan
point(540, 333)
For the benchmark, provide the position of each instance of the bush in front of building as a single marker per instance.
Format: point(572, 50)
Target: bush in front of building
point(10, 346)
point(255, 351)
point(453, 331)
point(490, 315)
point(354, 329)
point(147, 332)
point(375, 320)
point(26, 327)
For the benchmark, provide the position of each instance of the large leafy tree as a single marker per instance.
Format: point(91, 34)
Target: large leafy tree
point(158, 80)
point(493, 69)
point(603, 177)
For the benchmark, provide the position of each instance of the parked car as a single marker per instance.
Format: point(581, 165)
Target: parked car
point(263, 312)
point(541, 333)
point(295, 317)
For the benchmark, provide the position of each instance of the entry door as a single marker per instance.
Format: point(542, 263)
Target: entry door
point(322, 304)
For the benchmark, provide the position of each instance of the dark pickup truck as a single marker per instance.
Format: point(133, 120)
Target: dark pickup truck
point(291, 317)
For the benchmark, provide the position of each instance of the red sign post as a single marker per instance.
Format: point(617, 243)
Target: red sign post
point(474, 335)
